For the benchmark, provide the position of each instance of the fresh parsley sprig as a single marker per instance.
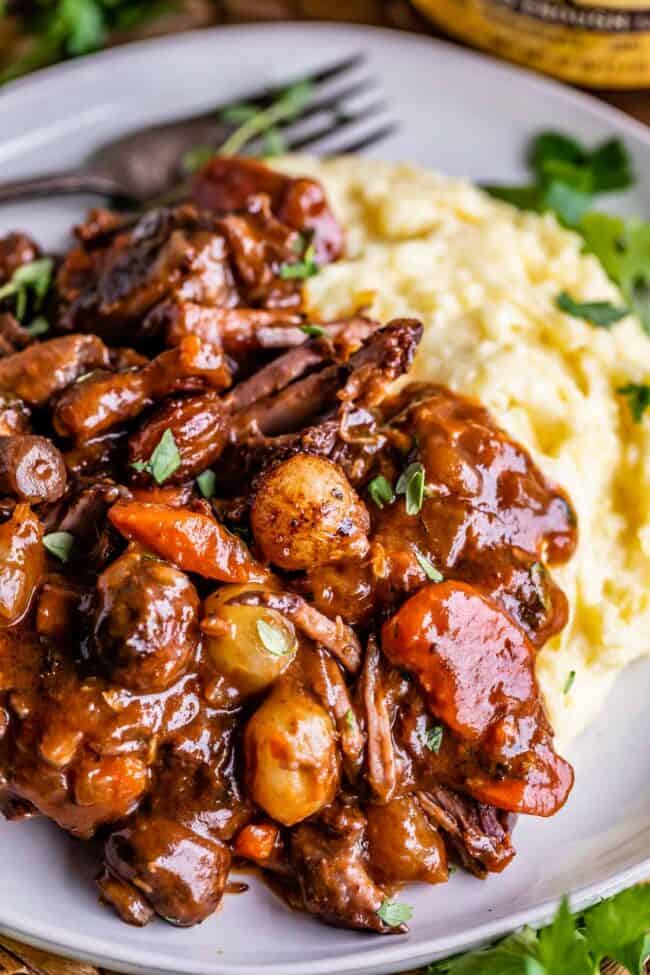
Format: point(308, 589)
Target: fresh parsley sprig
point(567, 176)
point(54, 29)
point(616, 928)
point(253, 122)
point(33, 278)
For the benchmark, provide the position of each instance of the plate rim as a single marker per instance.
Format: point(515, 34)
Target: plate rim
point(403, 953)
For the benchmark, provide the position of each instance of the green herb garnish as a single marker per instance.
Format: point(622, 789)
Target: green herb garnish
point(306, 268)
point(314, 331)
point(59, 544)
point(428, 567)
point(569, 681)
point(638, 396)
point(433, 738)
point(274, 144)
point(254, 121)
point(616, 928)
point(197, 157)
point(35, 277)
point(623, 248)
point(39, 326)
point(350, 719)
point(207, 482)
point(566, 176)
point(381, 491)
point(395, 914)
point(273, 639)
point(603, 314)
point(164, 461)
point(411, 485)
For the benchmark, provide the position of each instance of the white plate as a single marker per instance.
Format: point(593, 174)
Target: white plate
point(468, 116)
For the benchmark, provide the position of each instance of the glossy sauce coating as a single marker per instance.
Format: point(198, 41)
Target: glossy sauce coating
point(217, 637)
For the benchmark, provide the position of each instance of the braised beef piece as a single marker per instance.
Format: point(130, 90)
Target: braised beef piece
point(330, 860)
point(253, 602)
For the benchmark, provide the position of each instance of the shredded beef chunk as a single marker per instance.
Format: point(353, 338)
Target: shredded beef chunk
point(254, 603)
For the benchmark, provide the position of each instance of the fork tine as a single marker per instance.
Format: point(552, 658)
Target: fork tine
point(268, 95)
point(335, 126)
point(377, 135)
point(332, 102)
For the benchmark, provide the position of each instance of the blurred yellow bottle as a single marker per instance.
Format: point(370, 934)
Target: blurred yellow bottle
point(605, 43)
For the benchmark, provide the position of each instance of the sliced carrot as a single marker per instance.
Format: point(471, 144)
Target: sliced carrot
point(191, 540)
point(257, 841)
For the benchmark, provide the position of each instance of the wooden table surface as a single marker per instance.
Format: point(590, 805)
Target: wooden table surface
point(19, 959)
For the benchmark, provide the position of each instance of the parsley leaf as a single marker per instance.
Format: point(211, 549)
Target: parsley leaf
point(509, 957)
point(314, 331)
point(605, 168)
point(395, 914)
point(411, 485)
point(570, 945)
point(638, 395)
point(617, 928)
point(197, 157)
point(38, 326)
point(567, 176)
point(569, 682)
point(59, 544)
point(207, 482)
point(428, 567)
point(164, 461)
point(37, 276)
point(272, 638)
point(306, 268)
point(603, 314)
point(350, 719)
point(274, 144)
point(623, 248)
point(433, 738)
point(381, 491)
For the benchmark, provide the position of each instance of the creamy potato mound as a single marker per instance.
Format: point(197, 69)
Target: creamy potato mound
point(483, 277)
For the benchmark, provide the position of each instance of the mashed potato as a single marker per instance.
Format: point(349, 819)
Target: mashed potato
point(483, 277)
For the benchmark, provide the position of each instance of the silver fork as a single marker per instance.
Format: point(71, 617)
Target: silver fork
point(147, 164)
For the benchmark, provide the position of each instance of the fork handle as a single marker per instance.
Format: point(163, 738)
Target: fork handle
point(55, 184)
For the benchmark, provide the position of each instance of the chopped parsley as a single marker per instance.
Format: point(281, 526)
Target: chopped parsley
point(638, 397)
point(272, 638)
point(603, 314)
point(300, 270)
point(164, 461)
point(350, 719)
point(433, 738)
point(59, 544)
point(381, 491)
point(411, 485)
point(395, 914)
point(39, 326)
point(314, 331)
point(35, 277)
point(207, 482)
point(570, 681)
point(428, 567)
